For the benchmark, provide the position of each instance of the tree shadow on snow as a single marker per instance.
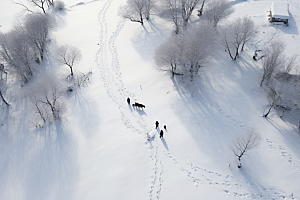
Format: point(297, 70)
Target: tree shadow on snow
point(148, 39)
point(86, 111)
point(36, 166)
point(53, 168)
point(206, 106)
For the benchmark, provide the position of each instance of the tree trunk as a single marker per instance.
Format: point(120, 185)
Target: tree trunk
point(243, 46)
point(71, 68)
point(268, 111)
point(3, 99)
point(200, 11)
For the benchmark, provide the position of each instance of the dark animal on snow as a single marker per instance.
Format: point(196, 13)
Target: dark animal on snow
point(165, 126)
point(138, 105)
point(128, 100)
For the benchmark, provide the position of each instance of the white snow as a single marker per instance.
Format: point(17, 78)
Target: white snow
point(103, 151)
point(280, 10)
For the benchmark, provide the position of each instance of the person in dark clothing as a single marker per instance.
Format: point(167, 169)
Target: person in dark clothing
point(161, 134)
point(156, 123)
point(128, 100)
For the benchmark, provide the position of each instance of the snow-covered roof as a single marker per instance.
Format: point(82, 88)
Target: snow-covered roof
point(280, 10)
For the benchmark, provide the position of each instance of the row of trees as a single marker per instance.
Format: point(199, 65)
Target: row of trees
point(185, 53)
point(25, 58)
point(178, 12)
point(278, 79)
point(38, 6)
point(23, 48)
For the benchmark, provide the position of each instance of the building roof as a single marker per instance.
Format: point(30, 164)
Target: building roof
point(280, 10)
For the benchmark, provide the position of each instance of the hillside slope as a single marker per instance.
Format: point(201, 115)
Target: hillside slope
point(103, 151)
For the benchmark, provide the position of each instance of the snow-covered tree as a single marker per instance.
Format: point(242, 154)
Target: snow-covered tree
point(17, 53)
point(273, 61)
point(137, 10)
point(187, 52)
point(244, 142)
point(68, 55)
point(187, 8)
point(38, 29)
point(46, 98)
point(274, 98)
point(168, 56)
point(248, 30)
point(236, 34)
point(178, 11)
point(216, 10)
point(199, 47)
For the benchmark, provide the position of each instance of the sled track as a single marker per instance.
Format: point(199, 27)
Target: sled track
point(108, 64)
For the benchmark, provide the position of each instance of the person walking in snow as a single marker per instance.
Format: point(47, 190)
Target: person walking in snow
point(156, 123)
point(161, 134)
point(128, 100)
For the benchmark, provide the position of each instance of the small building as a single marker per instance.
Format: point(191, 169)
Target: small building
point(279, 12)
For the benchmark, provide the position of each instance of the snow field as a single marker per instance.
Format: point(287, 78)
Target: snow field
point(106, 152)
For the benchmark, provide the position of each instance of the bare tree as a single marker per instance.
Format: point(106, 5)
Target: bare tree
point(46, 97)
point(38, 29)
point(274, 99)
point(171, 10)
point(199, 47)
point(236, 34)
point(178, 11)
point(273, 61)
point(233, 38)
point(200, 11)
point(187, 52)
point(245, 142)
point(17, 54)
point(168, 55)
point(2, 90)
point(217, 10)
point(68, 55)
point(187, 8)
point(137, 10)
point(42, 5)
point(293, 63)
point(248, 30)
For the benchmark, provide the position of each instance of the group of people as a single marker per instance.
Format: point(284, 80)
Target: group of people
point(161, 134)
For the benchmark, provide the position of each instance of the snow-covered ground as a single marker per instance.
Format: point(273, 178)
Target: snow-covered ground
point(102, 151)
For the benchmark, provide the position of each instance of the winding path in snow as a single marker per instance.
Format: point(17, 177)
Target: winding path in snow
point(109, 67)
